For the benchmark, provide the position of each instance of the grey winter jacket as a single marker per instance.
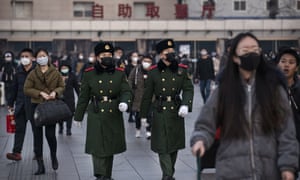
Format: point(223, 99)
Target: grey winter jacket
point(259, 157)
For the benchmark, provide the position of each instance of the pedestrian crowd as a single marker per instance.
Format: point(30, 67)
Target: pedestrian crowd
point(248, 127)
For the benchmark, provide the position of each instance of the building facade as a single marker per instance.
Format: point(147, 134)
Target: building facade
point(76, 25)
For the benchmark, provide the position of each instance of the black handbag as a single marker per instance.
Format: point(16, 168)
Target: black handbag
point(51, 112)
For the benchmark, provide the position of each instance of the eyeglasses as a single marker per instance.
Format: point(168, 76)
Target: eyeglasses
point(242, 51)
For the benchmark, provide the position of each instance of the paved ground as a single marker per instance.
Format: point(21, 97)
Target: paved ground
point(137, 163)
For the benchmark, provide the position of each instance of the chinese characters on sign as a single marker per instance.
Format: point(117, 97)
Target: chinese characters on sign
point(181, 11)
point(125, 11)
point(98, 11)
point(152, 10)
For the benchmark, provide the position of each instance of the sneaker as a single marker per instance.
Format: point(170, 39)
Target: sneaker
point(148, 135)
point(137, 133)
point(14, 156)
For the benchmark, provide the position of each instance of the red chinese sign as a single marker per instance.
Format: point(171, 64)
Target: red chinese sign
point(125, 10)
point(98, 11)
point(152, 10)
point(181, 11)
point(207, 10)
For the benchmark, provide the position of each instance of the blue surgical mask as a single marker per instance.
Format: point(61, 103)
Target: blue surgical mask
point(42, 61)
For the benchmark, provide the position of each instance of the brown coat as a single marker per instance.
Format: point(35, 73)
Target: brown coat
point(136, 82)
point(37, 81)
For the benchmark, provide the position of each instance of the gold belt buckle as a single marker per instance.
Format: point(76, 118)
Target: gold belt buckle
point(105, 98)
point(169, 99)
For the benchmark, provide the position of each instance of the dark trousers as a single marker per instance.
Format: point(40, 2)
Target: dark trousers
point(167, 163)
point(38, 138)
point(68, 124)
point(21, 122)
point(103, 165)
point(138, 122)
point(205, 89)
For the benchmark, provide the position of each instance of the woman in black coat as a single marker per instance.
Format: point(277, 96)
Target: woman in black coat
point(71, 84)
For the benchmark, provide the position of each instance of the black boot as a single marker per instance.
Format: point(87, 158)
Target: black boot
point(54, 162)
point(41, 167)
point(168, 178)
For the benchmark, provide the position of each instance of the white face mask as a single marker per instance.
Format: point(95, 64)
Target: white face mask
point(146, 65)
point(42, 61)
point(80, 57)
point(25, 61)
point(64, 71)
point(203, 53)
point(91, 59)
point(134, 59)
point(8, 59)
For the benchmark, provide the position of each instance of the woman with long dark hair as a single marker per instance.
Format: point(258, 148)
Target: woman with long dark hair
point(258, 138)
point(42, 84)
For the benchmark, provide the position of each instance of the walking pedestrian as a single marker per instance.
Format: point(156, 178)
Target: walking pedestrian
point(44, 83)
point(205, 73)
point(258, 138)
point(8, 70)
point(106, 94)
point(288, 61)
point(136, 79)
point(172, 88)
point(20, 104)
point(71, 85)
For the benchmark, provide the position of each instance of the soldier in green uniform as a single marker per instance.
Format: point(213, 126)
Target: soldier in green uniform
point(172, 87)
point(105, 93)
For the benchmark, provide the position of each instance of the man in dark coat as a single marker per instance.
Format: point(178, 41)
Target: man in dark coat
point(106, 94)
point(172, 87)
point(71, 84)
point(19, 103)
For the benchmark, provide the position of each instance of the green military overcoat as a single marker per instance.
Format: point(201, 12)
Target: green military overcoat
point(105, 126)
point(168, 132)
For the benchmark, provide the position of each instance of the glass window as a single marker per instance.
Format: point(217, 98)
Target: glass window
point(239, 5)
point(23, 9)
point(83, 9)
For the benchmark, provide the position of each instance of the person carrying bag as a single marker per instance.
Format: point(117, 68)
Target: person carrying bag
point(44, 84)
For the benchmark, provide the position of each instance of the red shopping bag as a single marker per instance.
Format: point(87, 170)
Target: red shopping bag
point(10, 123)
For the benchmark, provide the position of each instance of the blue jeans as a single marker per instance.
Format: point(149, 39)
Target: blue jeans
point(205, 89)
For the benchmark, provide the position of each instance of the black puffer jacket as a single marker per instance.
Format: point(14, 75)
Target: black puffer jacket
point(17, 94)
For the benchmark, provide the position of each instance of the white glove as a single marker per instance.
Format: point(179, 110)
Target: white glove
point(77, 123)
point(123, 107)
point(144, 122)
point(183, 110)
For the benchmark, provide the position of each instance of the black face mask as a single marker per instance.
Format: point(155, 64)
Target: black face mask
point(107, 61)
point(171, 57)
point(249, 61)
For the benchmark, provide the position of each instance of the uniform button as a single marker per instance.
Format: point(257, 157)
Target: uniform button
point(109, 100)
point(164, 108)
point(163, 71)
point(173, 79)
point(172, 107)
point(101, 91)
point(110, 110)
point(102, 110)
point(110, 81)
point(163, 79)
point(173, 89)
point(100, 81)
point(163, 89)
point(110, 91)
